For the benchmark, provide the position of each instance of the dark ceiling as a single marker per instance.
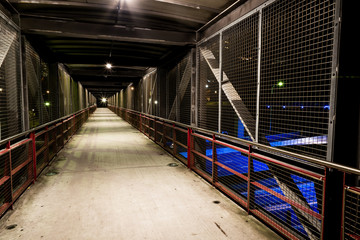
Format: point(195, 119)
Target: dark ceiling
point(133, 35)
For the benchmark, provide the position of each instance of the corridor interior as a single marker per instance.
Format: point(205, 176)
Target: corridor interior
point(111, 182)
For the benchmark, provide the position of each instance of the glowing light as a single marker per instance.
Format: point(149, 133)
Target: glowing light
point(1, 89)
point(284, 107)
point(206, 86)
point(156, 102)
point(327, 107)
point(302, 107)
point(103, 100)
point(280, 84)
point(47, 104)
point(47, 91)
point(108, 66)
point(132, 88)
point(268, 106)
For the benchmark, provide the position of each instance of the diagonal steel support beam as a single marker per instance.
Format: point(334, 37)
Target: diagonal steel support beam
point(232, 95)
point(184, 83)
point(6, 39)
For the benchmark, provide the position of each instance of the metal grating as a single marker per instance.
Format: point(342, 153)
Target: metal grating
point(292, 200)
point(351, 225)
point(208, 85)
point(232, 170)
point(239, 87)
point(296, 66)
point(11, 121)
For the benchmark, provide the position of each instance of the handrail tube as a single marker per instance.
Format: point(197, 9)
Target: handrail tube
point(324, 163)
point(37, 128)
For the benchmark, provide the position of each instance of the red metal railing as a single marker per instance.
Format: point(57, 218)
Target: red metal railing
point(24, 156)
point(287, 193)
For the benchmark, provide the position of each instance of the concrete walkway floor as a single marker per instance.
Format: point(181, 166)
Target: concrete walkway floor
point(114, 183)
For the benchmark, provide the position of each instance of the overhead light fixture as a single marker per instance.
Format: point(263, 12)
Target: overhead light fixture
point(132, 88)
point(47, 104)
point(108, 66)
point(47, 91)
point(103, 100)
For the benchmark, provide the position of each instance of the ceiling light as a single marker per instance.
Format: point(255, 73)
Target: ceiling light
point(103, 100)
point(108, 66)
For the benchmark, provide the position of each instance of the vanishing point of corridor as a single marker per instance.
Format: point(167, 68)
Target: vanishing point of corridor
point(111, 182)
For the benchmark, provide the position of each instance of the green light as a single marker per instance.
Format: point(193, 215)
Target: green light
point(280, 84)
point(47, 104)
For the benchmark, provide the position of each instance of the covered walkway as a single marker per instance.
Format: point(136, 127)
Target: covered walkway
point(114, 183)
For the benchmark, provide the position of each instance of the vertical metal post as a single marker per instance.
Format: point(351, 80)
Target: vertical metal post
point(24, 86)
point(334, 82)
point(8, 146)
point(214, 160)
point(46, 143)
point(250, 194)
point(258, 80)
point(193, 87)
point(33, 138)
point(196, 106)
point(323, 206)
point(155, 130)
point(342, 236)
point(174, 140)
point(189, 148)
point(140, 123)
point(220, 78)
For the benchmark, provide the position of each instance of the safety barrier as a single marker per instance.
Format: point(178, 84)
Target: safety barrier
point(24, 156)
point(285, 190)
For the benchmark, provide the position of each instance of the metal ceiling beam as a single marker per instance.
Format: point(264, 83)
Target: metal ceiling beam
point(99, 31)
point(189, 5)
point(96, 72)
point(112, 7)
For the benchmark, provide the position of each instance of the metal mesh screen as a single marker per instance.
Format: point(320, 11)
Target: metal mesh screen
point(296, 67)
point(239, 86)
point(32, 69)
point(208, 85)
point(352, 214)
point(42, 91)
point(292, 200)
point(11, 121)
point(65, 92)
point(75, 98)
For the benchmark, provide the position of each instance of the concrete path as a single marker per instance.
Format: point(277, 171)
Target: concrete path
point(114, 183)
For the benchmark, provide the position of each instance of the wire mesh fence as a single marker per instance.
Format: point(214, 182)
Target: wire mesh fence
point(11, 121)
point(351, 214)
point(296, 67)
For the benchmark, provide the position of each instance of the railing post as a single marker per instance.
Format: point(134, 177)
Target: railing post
point(140, 123)
point(155, 130)
point(189, 149)
point(46, 143)
point(11, 200)
point(33, 138)
point(333, 198)
point(174, 140)
point(214, 160)
point(251, 193)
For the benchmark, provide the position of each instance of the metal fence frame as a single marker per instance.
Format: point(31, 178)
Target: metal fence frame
point(259, 10)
